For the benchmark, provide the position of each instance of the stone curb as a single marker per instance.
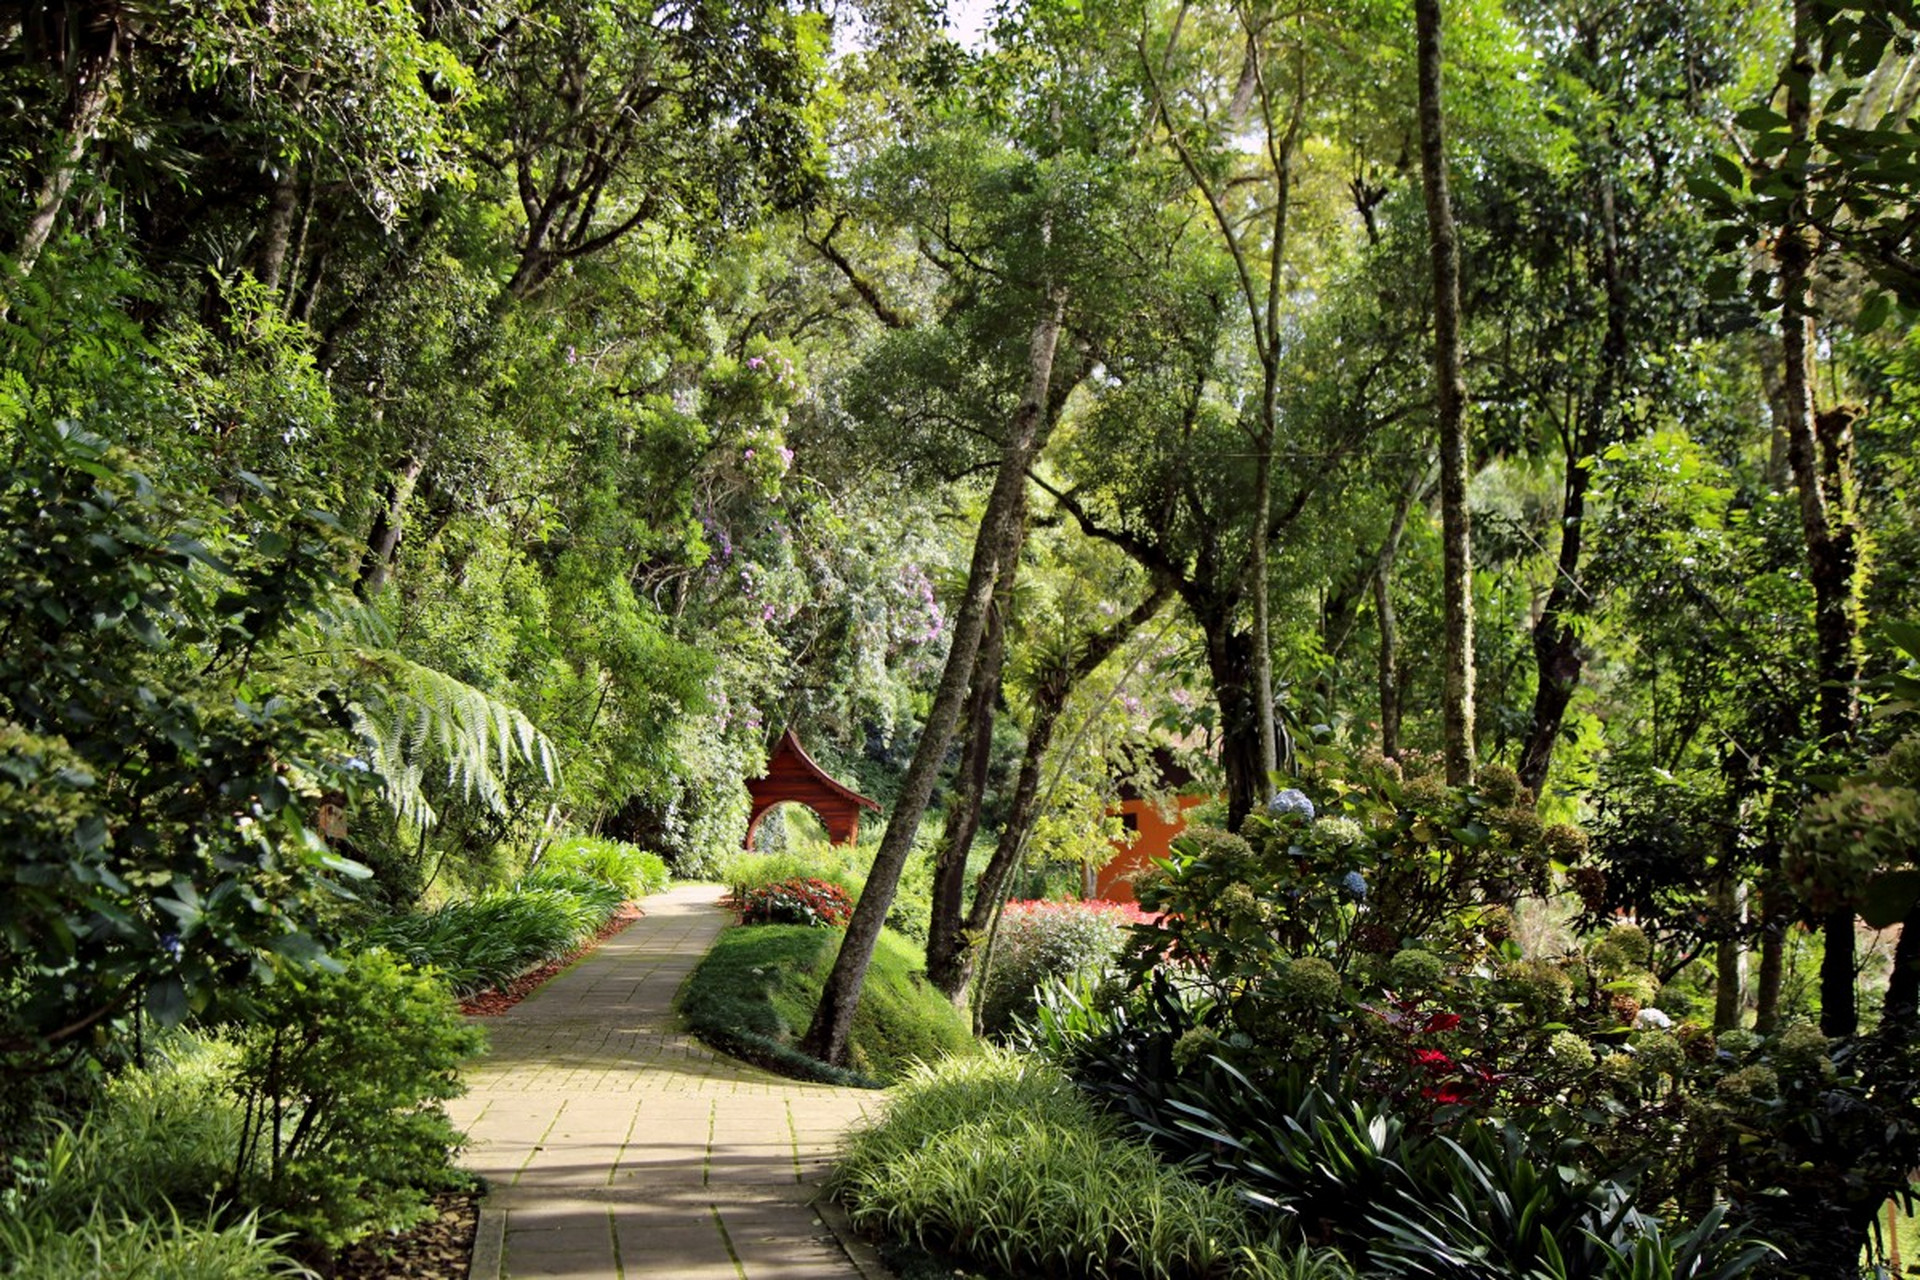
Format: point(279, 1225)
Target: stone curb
point(864, 1257)
point(489, 1241)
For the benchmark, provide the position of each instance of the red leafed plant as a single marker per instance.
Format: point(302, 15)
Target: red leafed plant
point(800, 900)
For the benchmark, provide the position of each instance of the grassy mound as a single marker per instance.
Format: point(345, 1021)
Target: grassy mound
point(755, 993)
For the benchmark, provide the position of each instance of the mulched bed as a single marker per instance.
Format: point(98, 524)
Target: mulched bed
point(488, 1004)
point(442, 1247)
point(439, 1249)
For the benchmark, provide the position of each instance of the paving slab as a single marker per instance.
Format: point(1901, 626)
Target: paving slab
point(615, 1147)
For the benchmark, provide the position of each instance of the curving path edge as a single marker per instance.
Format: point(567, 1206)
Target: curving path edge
point(617, 1148)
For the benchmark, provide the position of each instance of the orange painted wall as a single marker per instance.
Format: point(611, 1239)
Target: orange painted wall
point(1152, 838)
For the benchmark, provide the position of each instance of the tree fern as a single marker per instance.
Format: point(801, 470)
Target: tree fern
point(415, 722)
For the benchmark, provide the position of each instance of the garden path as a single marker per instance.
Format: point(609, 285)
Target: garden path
point(617, 1148)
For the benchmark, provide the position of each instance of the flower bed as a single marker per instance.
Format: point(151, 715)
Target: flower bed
point(799, 900)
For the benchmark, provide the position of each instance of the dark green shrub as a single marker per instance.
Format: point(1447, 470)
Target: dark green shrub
point(158, 777)
point(342, 1076)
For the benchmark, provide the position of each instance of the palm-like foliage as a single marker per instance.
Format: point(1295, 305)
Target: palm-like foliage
point(420, 728)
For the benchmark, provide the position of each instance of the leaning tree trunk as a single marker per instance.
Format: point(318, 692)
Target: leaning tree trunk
point(1002, 529)
point(1450, 396)
point(945, 940)
point(383, 539)
point(1556, 640)
point(954, 969)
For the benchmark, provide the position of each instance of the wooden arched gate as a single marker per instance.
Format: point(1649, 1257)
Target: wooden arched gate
point(793, 776)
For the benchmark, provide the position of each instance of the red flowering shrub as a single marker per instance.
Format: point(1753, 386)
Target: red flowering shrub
point(800, 900)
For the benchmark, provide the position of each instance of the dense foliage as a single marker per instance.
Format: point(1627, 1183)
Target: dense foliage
point(442, 447)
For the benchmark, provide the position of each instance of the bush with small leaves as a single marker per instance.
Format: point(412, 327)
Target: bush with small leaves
point(1040, 941)
point(342, 1076)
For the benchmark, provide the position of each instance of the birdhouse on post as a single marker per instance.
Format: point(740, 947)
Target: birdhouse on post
point(793, 776)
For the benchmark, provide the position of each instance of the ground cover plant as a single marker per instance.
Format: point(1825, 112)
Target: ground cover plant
point(485, 942)
point(635, 872)
point(754, 991)
point(997, 1161)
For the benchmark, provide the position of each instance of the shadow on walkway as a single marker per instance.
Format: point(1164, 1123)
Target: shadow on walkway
point(616, 1147)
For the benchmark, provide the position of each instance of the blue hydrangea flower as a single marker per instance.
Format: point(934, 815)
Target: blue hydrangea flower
point(1355, 884)
point(1292, 800)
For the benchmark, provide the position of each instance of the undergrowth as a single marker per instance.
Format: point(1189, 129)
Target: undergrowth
point(998, 1162)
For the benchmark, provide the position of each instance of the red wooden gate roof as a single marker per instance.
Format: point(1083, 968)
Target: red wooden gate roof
point(793, 776)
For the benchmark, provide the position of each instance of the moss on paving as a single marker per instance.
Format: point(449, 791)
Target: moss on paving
point(755, 993)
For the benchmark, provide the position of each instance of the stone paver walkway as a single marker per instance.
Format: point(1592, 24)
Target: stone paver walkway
point(616, 1148)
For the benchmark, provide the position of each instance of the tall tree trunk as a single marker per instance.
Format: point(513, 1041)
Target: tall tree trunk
point(949, 907)
point(1389, 626)
point(1450, 390)
point(952, 970)
point(383, 540)
point(1002, 530)
point(1729, 961)
point(1902, 1006)
point(1556, 643)
point(1820, 480)
point(1230, 664)
point(276, 236)
point(1771, 980)
point(1262, 606)
point(94, 42)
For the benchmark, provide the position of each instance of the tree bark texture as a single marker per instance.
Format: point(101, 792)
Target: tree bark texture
point(383, 540)
point(94, 42)
point(1729, 960)
point(1770, 981)
point(1450, 398)
point(948, 910)
point(1556, 644)
point(1230, 664)
point(1819, 469)
point(1002, 530)
point(1388, 625)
